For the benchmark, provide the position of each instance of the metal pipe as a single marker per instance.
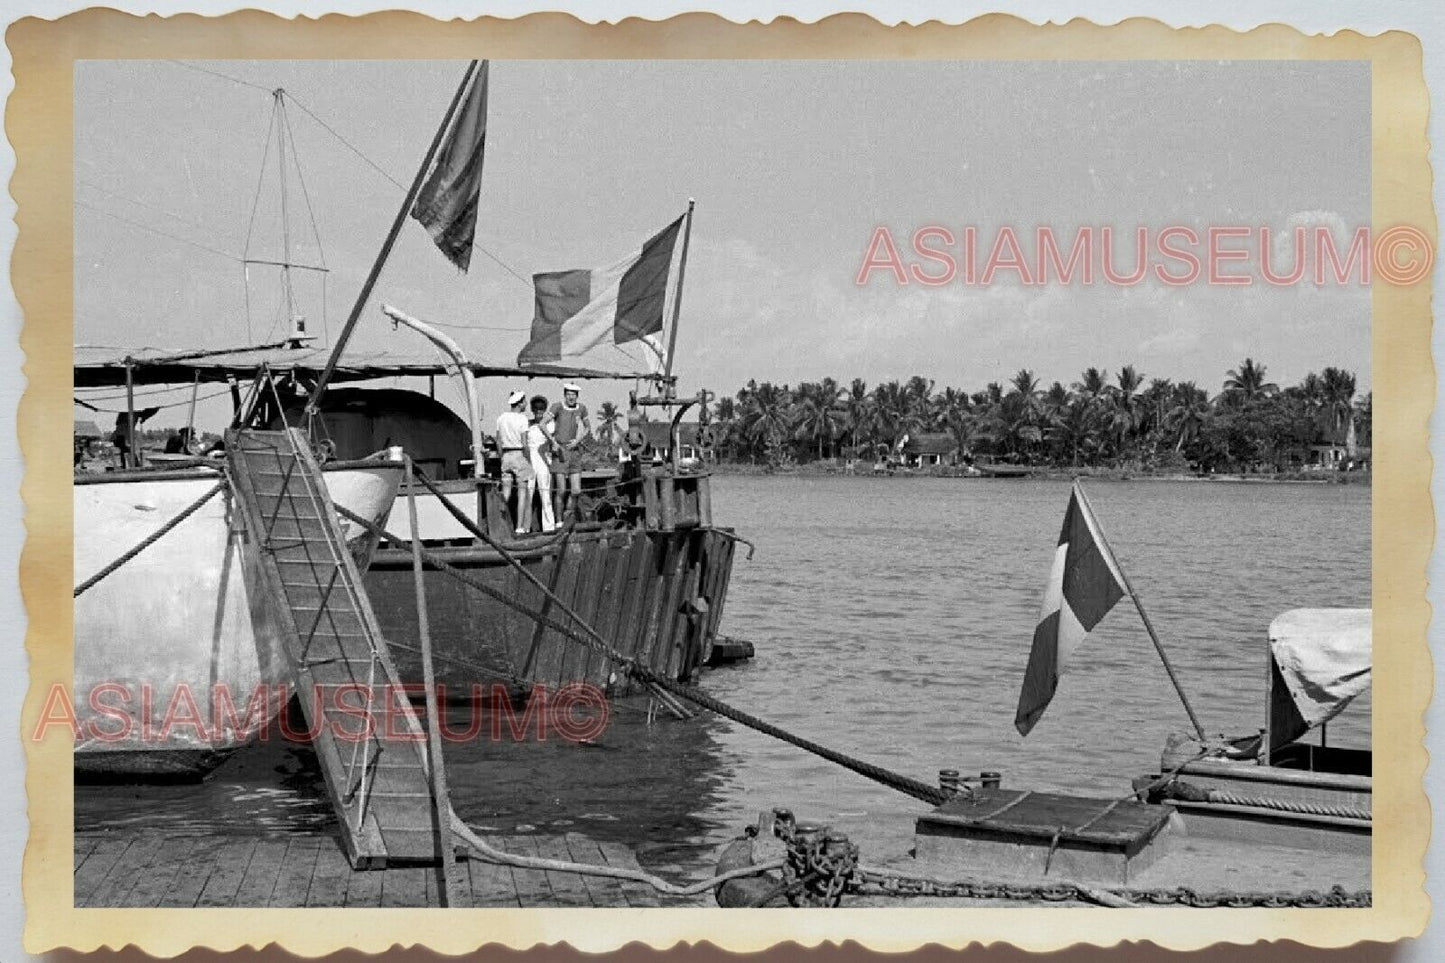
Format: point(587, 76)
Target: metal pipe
point(464, 373)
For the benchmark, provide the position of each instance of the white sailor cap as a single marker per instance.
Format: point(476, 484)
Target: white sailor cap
point(572, 386)
point(516, 398)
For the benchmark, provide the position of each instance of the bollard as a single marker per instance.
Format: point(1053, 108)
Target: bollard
point(650, 509)
point(948, 781)
point(990, 780)
point(783, 822)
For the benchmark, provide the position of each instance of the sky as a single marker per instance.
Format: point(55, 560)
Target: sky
point(793, 165)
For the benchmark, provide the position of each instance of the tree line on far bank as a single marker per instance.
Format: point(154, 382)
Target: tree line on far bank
point(1249, 424)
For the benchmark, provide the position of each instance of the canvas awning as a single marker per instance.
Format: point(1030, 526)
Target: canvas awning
point(105, 367)
point(1319, 662)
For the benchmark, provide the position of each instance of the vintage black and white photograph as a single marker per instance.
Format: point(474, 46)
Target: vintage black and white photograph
point(682, 483)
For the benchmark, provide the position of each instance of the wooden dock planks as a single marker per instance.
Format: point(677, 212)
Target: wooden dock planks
point(293, 882)
point(159, 870)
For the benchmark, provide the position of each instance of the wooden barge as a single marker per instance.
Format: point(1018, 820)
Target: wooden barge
point(656, 595)
point(642, 561)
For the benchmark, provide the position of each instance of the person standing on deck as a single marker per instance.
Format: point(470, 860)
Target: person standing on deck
point(516, 466)
point(124, 428)
point(539, 447)
point(570, 425)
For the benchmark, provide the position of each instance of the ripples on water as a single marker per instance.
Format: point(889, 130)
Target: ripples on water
point(893, 618)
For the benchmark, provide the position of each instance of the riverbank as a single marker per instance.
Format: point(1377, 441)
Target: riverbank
point(821, 468)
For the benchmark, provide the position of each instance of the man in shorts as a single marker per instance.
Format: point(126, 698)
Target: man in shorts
point(512, 428)
point(570, 426)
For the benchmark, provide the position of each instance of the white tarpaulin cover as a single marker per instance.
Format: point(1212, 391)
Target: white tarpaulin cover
point(1323, 659)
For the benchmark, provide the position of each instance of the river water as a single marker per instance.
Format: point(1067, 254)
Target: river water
point(893, 618)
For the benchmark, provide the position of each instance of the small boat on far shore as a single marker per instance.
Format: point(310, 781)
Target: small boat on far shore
point(994, 469)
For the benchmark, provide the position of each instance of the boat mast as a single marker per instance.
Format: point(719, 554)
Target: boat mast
point(312, 405)
point(280, 114)
point(668, 388)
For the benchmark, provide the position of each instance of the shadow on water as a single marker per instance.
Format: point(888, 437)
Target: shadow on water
point(648, 785)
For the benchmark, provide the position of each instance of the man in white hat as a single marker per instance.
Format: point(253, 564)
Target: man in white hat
point(570, 425)
point(516, 466)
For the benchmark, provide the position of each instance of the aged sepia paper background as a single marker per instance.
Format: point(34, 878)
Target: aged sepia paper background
point(38, 122)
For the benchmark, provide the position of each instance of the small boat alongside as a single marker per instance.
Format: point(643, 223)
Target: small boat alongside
point(1266, 820)
point(1276, 787)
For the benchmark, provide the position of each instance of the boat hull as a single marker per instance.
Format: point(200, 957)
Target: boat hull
point(178, 654)
point(656, 596)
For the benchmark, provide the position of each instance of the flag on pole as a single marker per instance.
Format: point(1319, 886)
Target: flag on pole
point(447, 203)
point(1084, 584)
point(579, 310)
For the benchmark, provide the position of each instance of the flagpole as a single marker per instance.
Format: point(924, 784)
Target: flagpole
point(1139, 605)
point(385, 252)
point(677, 298)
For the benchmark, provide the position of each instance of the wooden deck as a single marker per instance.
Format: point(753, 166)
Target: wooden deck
point(155, 869)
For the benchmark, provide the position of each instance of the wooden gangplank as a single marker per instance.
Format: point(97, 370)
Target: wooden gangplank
point(367, 738)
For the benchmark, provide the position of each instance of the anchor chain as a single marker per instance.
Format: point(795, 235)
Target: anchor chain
point(820, 863)
point(867, 881)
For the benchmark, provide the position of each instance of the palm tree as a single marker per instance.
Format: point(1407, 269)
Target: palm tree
point(767, 416)
point(1025, 383)
point(1093, 384)
point(1075, 428)
point(1246, 383)
point(609, 423)
point(1337, 396)
point(855, 403)
point(815, 414)
point(1188, 413)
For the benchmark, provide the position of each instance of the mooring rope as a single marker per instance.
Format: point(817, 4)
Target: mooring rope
point(905, 784)
point(478, 846)
point(150, 540)
point(1288, 805)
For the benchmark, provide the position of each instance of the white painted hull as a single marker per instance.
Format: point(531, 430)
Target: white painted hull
point(166, 642)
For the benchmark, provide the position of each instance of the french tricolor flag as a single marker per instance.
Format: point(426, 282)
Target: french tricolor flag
point(579, 310)
point(1084, 584)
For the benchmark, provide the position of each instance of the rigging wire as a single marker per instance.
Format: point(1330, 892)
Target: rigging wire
point(148, 206)
point(153, 230)
point(177, 404)
point(398, 185)
point(310, 211)
point(476, 327)
point(251, 222)
point(217, 73)
point(346, 143)
point(272, 129)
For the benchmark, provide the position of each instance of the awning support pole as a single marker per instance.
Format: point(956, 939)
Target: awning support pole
point(130, 460)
